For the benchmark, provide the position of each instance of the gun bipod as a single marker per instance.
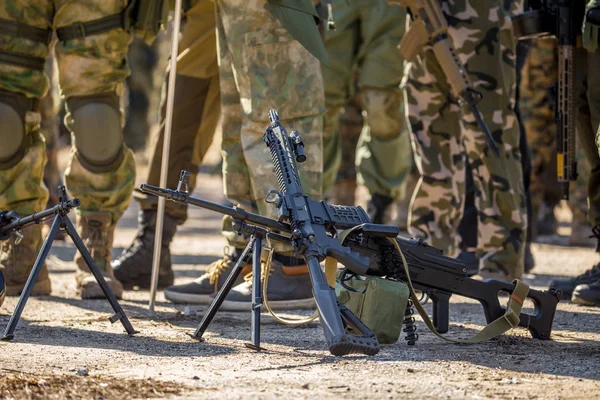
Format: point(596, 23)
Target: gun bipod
point(62, 222)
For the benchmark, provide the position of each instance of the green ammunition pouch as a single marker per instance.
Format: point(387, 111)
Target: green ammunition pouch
point(379, 303)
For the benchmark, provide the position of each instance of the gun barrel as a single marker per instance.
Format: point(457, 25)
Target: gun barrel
point(235, 212)
point(65, 206)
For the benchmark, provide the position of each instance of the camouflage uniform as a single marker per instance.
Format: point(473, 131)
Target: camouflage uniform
point(538, 78)
point(363, 56)
point(444, 138)
point(263, 67)
point(89, 67)
point(197, 107)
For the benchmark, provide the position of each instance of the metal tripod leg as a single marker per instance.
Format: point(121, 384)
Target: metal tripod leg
point(119, 313)
point(37, 267)
point(224, 291)
point(256, 293)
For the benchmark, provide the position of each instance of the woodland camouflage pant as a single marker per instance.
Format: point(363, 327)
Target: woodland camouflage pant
point(444, 138)
point(261, 68)
point(87, 66)
point(538, 78)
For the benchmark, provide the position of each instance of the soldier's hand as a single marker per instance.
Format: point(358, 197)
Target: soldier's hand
point(591, 29)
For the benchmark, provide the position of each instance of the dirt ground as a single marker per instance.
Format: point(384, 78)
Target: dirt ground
point(66, 348)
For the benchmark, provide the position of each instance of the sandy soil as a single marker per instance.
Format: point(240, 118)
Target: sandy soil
point(66, 348)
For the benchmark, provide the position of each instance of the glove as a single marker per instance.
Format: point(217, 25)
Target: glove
point(591, 29)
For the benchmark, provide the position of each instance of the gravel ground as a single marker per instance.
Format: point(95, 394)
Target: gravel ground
point(65, 347)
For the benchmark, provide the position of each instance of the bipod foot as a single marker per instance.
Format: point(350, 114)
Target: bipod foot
point(7, 338)
point(254, 347)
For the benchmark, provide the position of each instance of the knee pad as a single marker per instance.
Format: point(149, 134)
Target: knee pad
point(13, 112)
point(96, 124)
point(385, 112)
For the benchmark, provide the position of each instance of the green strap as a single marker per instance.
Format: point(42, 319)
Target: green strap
point(20, 60)
point(95, 27)
point(20, 30)
point(509, 320)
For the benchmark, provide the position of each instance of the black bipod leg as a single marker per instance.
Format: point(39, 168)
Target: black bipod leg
point(256, 294)
point(37, 267)
point(224, 291)
point(119, 313)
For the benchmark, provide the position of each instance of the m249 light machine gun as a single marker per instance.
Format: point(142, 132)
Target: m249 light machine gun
point(563, 20)
point(11, 224)
point(312, 228)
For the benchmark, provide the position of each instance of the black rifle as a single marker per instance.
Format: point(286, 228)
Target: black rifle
point(10, 224)
point(563, 20)
point(313, 227)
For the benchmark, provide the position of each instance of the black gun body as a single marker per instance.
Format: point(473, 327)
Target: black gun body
point(19, 223)
point(440, 277)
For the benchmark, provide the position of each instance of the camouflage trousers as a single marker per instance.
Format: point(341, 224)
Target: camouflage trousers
point(196, 108)
point(261, 68)
point(363, 55)
point(86, 66)
point(444, 138)
point(538, 78)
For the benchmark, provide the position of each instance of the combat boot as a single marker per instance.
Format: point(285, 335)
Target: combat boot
point(97, 232)
point(200, 290)
point(134, 265)
point(289, 288)
point(378, 208)
point(567, 286)
point(588, 294)
point(17, 258)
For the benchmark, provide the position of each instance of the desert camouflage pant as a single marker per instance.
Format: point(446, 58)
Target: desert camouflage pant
point(444, 138)
point(538, 79)
point(86, 66)
point(196, 108)
point(363, 55)
point(261, 68)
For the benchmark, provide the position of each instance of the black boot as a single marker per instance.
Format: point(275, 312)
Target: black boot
point(529, 260)
point(134, 265)
point(378, 208)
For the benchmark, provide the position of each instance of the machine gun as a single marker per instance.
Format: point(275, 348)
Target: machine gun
point(563, 20)
point(429, 27)
point(312, 227)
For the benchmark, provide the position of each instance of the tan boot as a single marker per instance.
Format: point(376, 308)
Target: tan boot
point(17, 259)
point(97, 232)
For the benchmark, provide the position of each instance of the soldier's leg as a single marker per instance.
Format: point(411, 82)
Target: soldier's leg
point(265, 56)
point(342, 48)
point(196, 113)
point(384, 157)
point(538, 78)
point(588, 120)
point(101, 172)
point(498, 181)
point(22, 149)
point(438, 200)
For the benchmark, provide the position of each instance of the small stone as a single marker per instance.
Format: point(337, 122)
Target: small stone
point(82, 372)
point(196, 378)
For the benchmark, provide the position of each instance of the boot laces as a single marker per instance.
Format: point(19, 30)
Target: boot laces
point(216, 270)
